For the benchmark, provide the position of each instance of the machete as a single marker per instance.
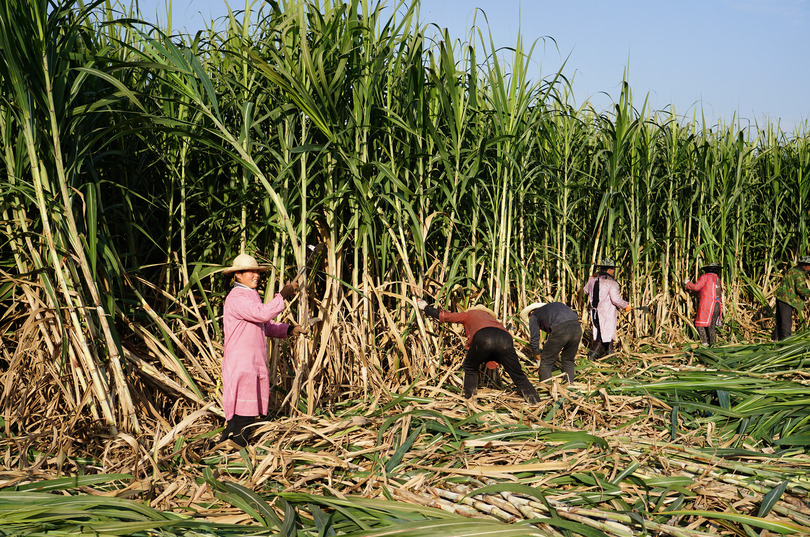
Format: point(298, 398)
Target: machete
point(312, 259)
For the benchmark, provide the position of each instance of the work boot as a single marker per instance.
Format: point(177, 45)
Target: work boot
point(532, 398)
point(470, 383)
point(235, 430)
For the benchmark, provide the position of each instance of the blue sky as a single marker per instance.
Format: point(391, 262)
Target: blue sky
point(725, 59)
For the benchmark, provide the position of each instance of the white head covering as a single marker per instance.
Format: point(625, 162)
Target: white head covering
point(244, 262)
point(481, 307)
point(524, 315)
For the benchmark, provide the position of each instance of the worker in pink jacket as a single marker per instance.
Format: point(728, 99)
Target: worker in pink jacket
point(248, 322)
point(605, 301)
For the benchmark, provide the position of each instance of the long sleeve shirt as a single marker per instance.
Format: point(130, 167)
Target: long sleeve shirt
point(710, 291)
point(473, 320)
point(545, 319)
point(793, 289)
point(248, 322)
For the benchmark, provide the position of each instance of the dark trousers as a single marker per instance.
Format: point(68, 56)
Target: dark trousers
point(784, 320)
point(235, 429)
point(601, 348)
point(598, 345)
point(708, 334)
point(494, 344)
point(563, 343)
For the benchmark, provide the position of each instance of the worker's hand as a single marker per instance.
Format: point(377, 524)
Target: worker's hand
point(628, 309)
point(289, 290)
point(299, 330)
point(422, 303)
point(686, 282)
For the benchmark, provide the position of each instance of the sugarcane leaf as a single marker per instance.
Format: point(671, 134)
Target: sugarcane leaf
point(571, 438)
point(770, 525)
point(245, 499)
point(322, 521)
point(454, 528)
point(796, 440)
point(288, 528)
point(770, 499)
point(625, 473)
point(400, 452)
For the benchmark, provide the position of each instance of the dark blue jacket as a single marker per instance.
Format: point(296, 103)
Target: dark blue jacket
point(546, 318)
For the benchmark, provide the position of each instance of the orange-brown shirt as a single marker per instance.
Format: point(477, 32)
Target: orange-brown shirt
point(473, 321)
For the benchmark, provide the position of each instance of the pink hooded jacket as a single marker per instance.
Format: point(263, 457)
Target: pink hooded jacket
point(610, 302)
point(248, 322)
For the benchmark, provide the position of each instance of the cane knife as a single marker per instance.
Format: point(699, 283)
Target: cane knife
point(312, 259)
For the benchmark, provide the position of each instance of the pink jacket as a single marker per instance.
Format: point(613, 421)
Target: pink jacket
point(610, 302)
point(248, 322)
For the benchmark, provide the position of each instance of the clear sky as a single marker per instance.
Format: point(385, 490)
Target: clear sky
point(726, 59)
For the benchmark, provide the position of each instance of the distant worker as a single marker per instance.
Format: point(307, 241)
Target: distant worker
point(247, 323)
point(561, 324)
point(790, 296)
point(709, 288)
point(605, 302)
point(487, 341)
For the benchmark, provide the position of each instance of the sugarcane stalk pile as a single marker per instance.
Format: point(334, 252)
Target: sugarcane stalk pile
point(600, 456)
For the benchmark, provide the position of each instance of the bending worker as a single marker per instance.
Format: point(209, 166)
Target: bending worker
point(487, 340)
point(248, 322)
point(709, 288)
point(605, 301)
point(565, 334)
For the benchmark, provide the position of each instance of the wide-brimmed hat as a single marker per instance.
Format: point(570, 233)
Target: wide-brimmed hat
point(805, 260)
point(607, 262)
point(524, 314)
point(481, 307)
point(244, 262)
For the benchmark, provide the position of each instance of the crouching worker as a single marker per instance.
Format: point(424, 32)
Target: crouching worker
point(487, 341)
point(248, 322)
point(561, 324)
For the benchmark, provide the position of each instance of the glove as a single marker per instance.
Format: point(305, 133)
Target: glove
point(629, 308)
point(686, 282)
point(289, 290)
point(298, 330)
point(422, 304)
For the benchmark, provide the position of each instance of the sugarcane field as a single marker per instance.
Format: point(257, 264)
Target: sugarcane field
point(313, 273)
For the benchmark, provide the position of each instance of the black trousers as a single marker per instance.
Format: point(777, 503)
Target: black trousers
point(597, 345)
point(784, 320)
point(563, 343)
point(235, 429)
point(494, 344)
point(708, 334)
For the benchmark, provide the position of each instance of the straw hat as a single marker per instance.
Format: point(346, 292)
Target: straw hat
point(607, 262)
point(481, 307)
point(244, 262)
point(524, 315)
